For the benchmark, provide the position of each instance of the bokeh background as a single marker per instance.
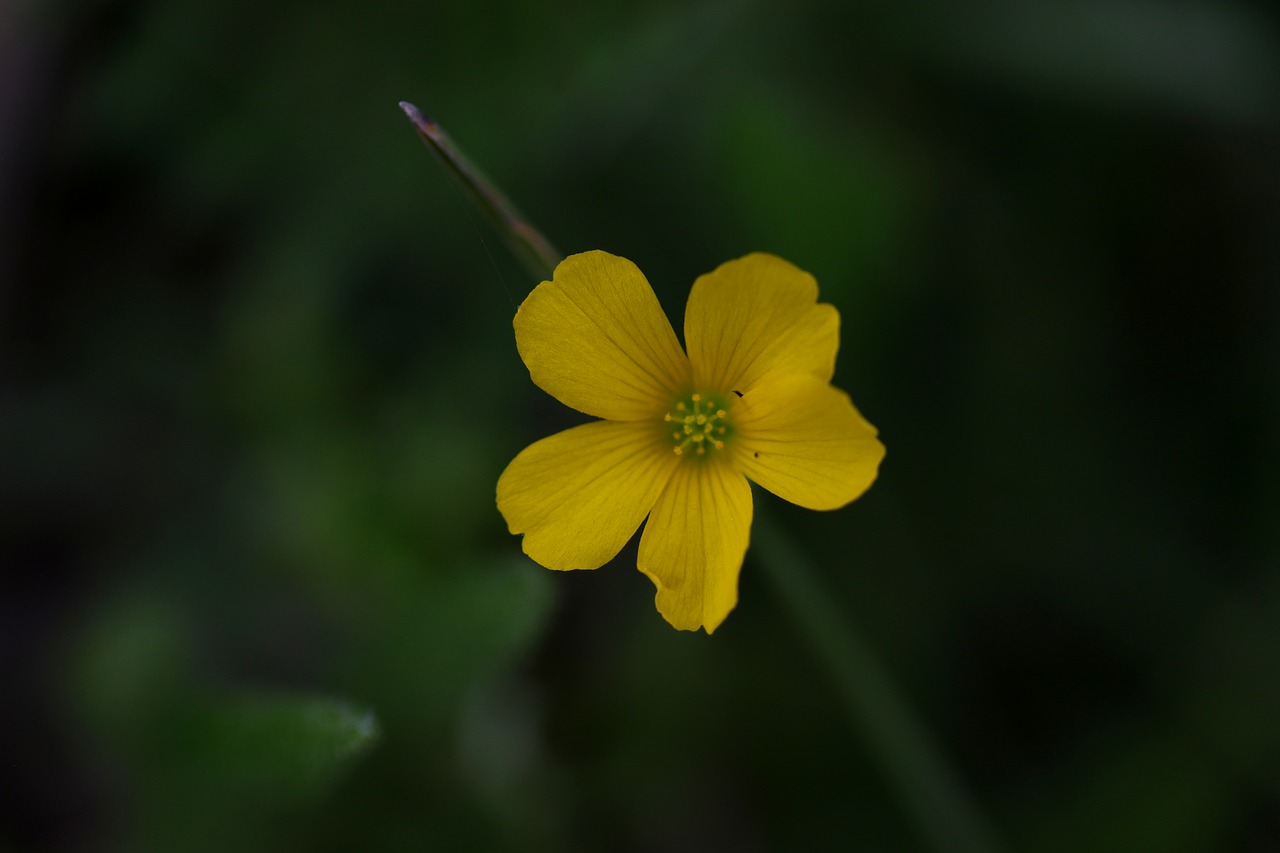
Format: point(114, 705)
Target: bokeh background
point(258, 382)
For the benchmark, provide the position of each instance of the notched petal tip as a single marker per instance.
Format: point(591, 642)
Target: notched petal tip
point(680, 614)
point(693, 545)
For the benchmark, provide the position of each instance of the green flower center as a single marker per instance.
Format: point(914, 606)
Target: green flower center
point(698, 424)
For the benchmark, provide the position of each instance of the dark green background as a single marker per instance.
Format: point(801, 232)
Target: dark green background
point(258, 382)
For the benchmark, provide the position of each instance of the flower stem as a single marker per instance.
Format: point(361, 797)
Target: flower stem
point(944, 814)
point(527, 243)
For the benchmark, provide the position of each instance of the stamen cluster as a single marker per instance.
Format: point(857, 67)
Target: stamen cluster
point(699, 422)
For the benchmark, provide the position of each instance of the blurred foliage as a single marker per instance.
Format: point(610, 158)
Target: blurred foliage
point(259, 381)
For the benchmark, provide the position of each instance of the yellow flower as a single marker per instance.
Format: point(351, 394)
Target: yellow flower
point(681, 435)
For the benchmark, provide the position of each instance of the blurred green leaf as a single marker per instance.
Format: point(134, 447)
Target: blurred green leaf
point(274, 748)
point(425, 649)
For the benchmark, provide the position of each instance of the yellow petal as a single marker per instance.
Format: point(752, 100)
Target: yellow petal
point(596, 339)
point(693, 545)
point(755, 316)
point(804, 441)
point(579, 495)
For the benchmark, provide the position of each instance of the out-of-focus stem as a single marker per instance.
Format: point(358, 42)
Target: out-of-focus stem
point(525, 242)
point(944, 814)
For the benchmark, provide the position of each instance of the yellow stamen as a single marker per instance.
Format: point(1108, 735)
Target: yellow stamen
point(703, 421)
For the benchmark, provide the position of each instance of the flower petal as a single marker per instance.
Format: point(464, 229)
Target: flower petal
point(579, 495)
point(596, 339)
point(693, 545)
point(803, 440)
point(754, 316)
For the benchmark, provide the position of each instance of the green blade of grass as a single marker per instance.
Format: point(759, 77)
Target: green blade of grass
point(527, 243)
